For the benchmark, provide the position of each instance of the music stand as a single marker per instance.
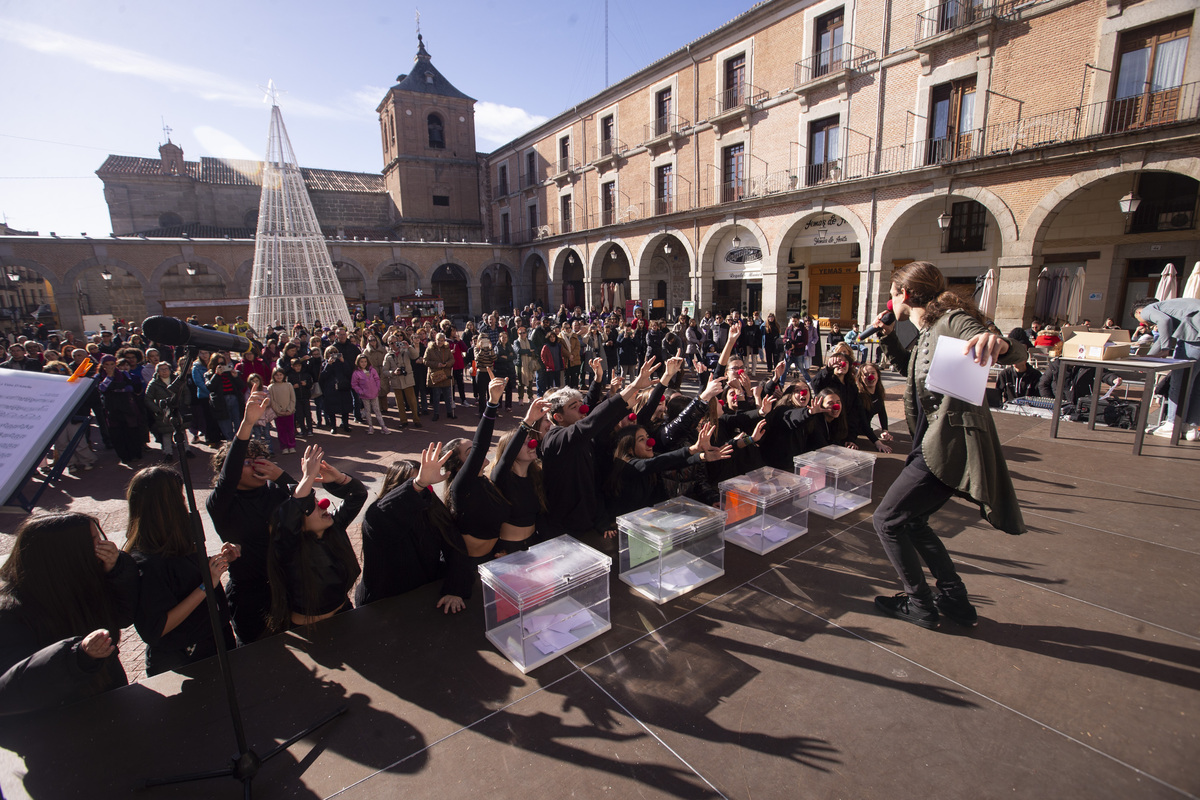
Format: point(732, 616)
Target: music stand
point(245, 765)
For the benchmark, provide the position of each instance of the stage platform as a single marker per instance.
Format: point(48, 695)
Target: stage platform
point(778, 680)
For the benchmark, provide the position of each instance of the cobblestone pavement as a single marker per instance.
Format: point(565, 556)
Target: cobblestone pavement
point(101, 491)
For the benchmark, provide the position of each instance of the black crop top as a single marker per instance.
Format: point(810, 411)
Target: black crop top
point(479, 509)
point(519, 491)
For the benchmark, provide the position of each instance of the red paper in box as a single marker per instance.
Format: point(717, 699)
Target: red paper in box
point(505, 608)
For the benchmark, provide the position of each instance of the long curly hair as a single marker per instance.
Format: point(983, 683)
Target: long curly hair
point(927, 287)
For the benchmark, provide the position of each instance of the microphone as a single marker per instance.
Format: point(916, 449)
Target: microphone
point(887, 318)
point(174, 332)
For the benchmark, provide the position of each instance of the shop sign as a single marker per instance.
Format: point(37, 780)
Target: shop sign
point(824, 230)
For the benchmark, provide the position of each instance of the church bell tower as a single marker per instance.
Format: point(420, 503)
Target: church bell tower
point(430, 164)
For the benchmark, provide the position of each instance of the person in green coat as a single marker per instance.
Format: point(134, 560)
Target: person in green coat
point(955, 452)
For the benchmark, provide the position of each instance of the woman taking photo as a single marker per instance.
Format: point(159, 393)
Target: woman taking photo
point(335, 390)
point(225, 394)
point(67, 592)
point(171, 616)
point(310, 562)
point(956, 450)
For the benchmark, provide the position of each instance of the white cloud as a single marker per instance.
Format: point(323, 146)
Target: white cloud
point(366, 99)
point(222, 145)
point(497, 124)
point(123, 61)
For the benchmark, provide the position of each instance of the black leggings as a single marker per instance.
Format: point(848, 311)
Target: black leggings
point(902, 524)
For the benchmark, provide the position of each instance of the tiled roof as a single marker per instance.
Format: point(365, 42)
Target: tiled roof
point(241, 172)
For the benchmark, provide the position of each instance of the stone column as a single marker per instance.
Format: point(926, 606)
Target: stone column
point(774, 292)
point(1017, 291)
point(474, 298)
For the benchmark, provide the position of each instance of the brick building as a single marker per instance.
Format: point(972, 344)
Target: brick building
point(786, 161)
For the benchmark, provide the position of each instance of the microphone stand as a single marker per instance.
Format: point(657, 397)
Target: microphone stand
point(245, 765)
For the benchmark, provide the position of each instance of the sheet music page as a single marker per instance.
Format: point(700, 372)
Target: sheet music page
point(33, 406)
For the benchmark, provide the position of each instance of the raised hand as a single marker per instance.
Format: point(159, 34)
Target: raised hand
point(713, 389)
point(537, 409)
point(331, 474)
point(495, 387)
point(760, 430)
point(430, 472)
point(256, 405)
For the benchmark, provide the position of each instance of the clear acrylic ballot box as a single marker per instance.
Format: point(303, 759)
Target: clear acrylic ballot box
point(544, 601)
point(841, 479)
point(765, 508)
point(671, 548)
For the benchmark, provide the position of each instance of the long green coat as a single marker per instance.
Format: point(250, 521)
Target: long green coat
point(960, 446)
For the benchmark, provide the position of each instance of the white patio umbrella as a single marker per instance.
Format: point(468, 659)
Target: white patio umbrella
point(1192, 287)
point(1041, 299)
point(987, 297)
point(1168, 284)
point(1075, 296)
point(1062, 290)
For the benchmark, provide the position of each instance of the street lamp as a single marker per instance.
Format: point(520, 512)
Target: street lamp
point(944, 220)
point(667, 247)
point(107, 274)
point(1129, 203)
point(191, 270)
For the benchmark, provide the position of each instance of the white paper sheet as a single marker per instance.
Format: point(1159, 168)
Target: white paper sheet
point(776, 533)
point(641, 578)
point(551, 641)
point(679, 578)
point(831, 500)
point(957, 375)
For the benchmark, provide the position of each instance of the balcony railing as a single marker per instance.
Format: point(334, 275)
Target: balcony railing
point(566, 164)
point(953, 15)
point(531, 179)
point(1106, 119)
point(828, 62)
point(737, 98)
point(609, 148)
point(667, 125)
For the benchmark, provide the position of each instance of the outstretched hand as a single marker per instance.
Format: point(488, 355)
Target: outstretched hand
point(430, 471)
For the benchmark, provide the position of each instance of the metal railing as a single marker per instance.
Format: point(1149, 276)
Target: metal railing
point(566, 164)
point(736, 98)
point(666, 125)
point(531, 179)
point(844, 57)
point(609, 148)
point(1109, 118)
point(953, 15)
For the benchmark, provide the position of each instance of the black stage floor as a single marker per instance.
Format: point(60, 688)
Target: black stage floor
point(776, 680)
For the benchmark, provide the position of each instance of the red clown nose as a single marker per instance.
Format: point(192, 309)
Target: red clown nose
point(835, 407)
point(741, 372)
point(632, 417)
point(323, 503)
point(889, 306)
point(872, 377)
point(583, 408)
point(649, 442)
point(531, 444)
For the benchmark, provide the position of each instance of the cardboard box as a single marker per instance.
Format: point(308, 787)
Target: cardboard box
point(1098, 345)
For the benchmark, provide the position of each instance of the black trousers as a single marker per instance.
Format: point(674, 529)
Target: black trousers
point(902, 524)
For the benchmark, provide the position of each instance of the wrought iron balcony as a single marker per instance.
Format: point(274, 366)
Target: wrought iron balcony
point(608, 150)
point(565, 166)
point(663, 128)
point(957, 15)
point(737, 99)
point(845, 58)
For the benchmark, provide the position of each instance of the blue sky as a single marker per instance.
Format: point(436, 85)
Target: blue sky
point(83, 79)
